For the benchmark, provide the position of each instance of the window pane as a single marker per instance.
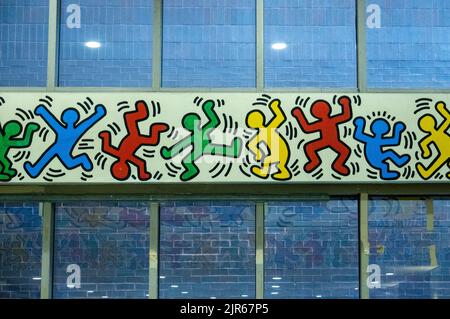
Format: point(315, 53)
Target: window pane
point(110, 47)
point(209, 43)
point(101, 250)
point(23, 43)
point(207, 250)
point(310, 43)
point(411, 47)
point(20, 250)
point(410, 242)
point(311, 249)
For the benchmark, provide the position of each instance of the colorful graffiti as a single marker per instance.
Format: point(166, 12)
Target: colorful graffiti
point(375, 145)
point(437, 135)
point(129, 144)
point(199, 141)
point(228, 137)
point(278, 149)
point(328, 128)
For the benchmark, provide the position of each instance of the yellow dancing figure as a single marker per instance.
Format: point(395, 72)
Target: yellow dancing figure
point(438, 136)
point(276, 145)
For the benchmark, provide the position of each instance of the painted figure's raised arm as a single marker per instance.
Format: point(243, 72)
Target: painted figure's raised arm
point(100, 112)
point(48, 117)
point(279, 116)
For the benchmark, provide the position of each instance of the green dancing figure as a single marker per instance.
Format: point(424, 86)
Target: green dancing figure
point(8, 140)
point(200, 141)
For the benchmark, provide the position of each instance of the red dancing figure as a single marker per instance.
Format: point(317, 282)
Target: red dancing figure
point(129, 145)
point(327, 126)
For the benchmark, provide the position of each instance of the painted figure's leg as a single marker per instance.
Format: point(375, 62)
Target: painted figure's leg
point(3, 177)
point(232, 150)
point(7, 167)
point(72, 162)
point(36, 169)
point(311, 150)
point(426, 173)
point(142, 170)
point(262, 172)
point(397, 159)
point(448, 164)
point(385, 173)
point(191, 170)
point(343, 155)
point(283, 172)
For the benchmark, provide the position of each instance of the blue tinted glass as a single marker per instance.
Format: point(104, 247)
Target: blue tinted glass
point(209, 43)
point(310, 43)
point(311, 249)
point(207, 250)
point(410, 246)
point(23, 42)
point(101, 250)
point(410, 46)
point(20, 250)
point(110, 45)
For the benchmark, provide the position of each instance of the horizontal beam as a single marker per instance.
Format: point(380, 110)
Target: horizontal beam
point(250, 191)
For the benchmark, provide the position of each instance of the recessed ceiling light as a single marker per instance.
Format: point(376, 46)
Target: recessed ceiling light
point(389, 274)
point(90, 291)
point(277, 278)
point(319, 296)
point(173, 286)
point(275, 286)
point(244, 296)
point(93, 44)
point(279, 46)
point(184, 292)
point(37, 278)
point(274, 293)
point(162, 277)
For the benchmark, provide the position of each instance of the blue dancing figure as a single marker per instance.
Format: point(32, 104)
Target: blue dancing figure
point(68, 132)
point(374, 145)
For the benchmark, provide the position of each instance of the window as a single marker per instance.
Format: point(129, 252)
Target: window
point(207, 250)
point(411, 47)
point(23, 43)
point(109, 44)
point(20, 250)
point(311, 249)
point(310, 44)
point(209, 43)
point(101, 250)
point(409, 242)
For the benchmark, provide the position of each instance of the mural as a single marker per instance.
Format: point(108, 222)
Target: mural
point(129, 144)
point(268, 134)
point(223, 138)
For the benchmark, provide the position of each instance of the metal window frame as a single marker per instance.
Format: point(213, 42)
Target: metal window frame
point(260, 210)
point(154, 251)
point(54, 12)
point(46, 210)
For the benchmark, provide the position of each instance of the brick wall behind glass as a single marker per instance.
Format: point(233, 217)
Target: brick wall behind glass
point(207, 249)
point(400, 245)
point(20, 250)
point(411, 47)
point(23, 42)
point(312, 249)
point(110, 243)
point(124, 31)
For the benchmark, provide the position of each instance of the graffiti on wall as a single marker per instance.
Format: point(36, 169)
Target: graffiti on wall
point(218, 137)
